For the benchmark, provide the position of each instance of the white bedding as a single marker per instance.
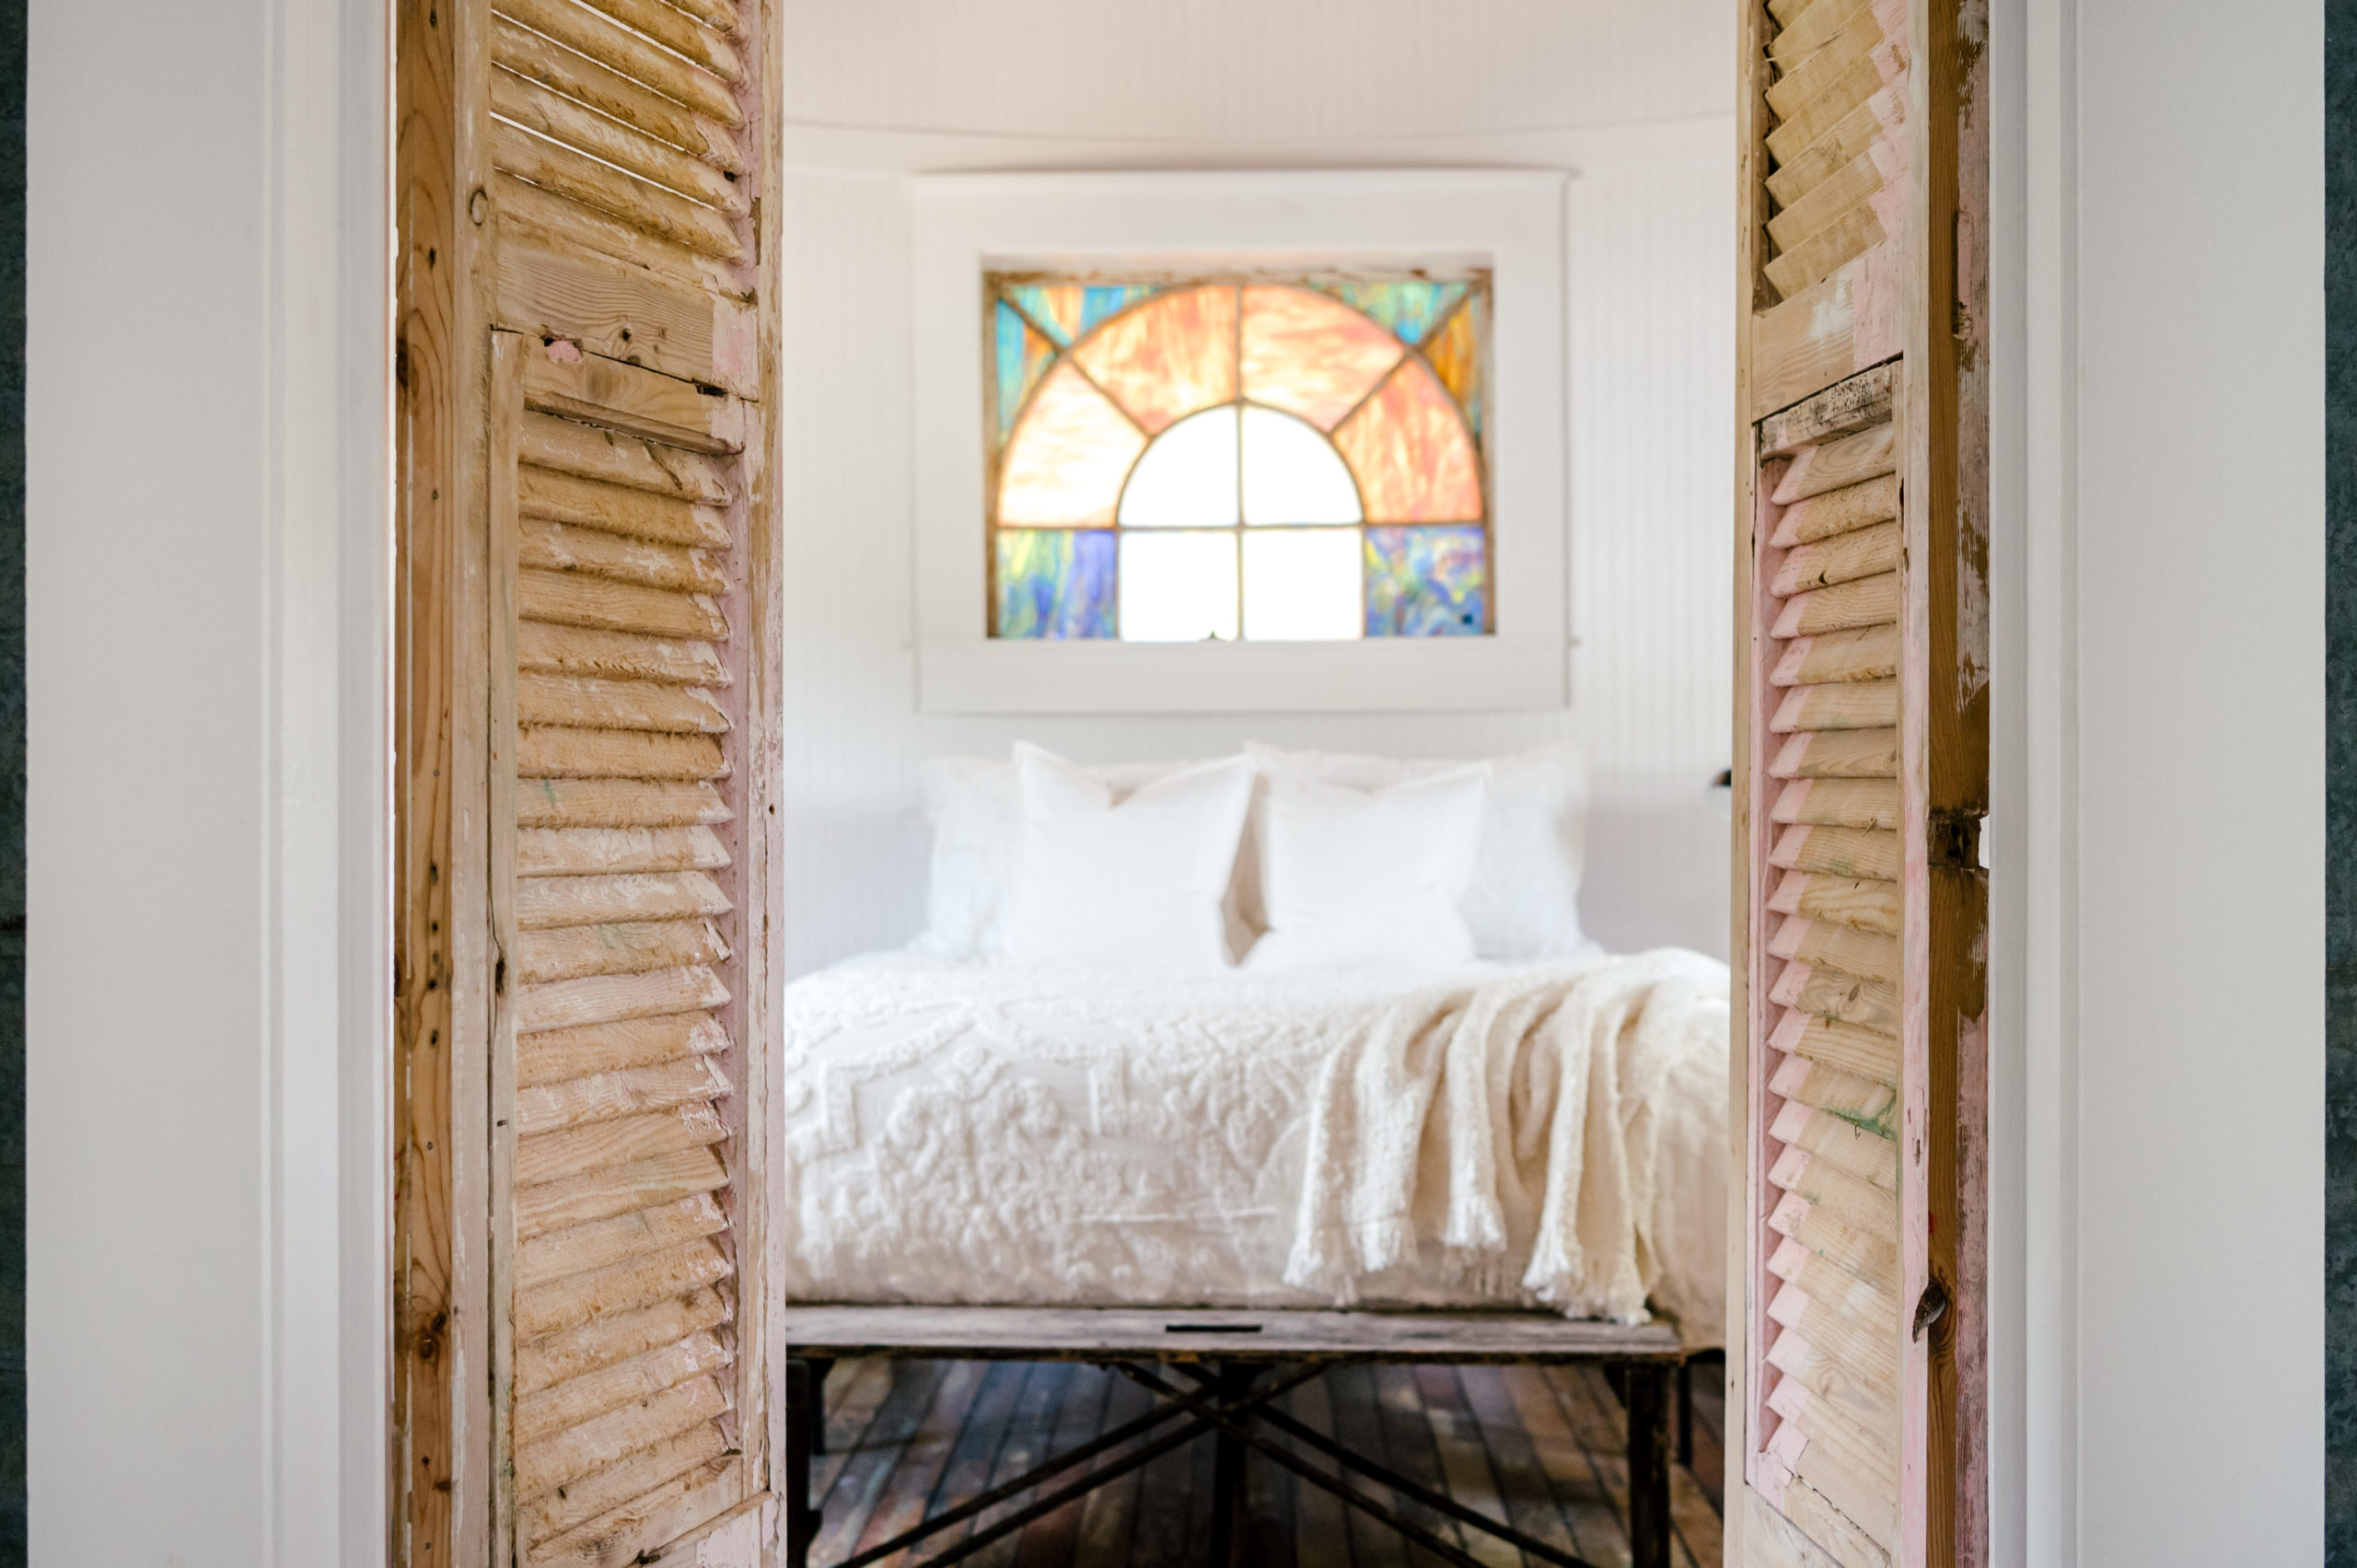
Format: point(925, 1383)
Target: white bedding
point(989, 1133)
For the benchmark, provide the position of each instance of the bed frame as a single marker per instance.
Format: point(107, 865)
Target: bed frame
point(1220, 1372)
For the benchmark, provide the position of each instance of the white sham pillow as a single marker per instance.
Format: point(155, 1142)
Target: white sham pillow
point(974, 805)
point(975, 808)
point(1352, 877)
point(1523, 900)
point(1136, 879)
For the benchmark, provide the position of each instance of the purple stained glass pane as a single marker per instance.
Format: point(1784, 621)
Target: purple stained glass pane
point(1431, 582)
point(1056, 584)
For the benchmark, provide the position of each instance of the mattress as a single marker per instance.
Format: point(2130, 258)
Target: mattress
point(994, 1134)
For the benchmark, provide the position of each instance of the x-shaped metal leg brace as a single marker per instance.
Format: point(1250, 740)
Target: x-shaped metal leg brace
point(1229, 1412)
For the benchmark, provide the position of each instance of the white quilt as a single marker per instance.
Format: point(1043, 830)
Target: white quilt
point(987, 1133)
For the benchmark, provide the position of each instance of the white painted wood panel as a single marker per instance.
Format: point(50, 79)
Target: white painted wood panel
point(207, 1008)
point(1651, 355)
point(1235, 69)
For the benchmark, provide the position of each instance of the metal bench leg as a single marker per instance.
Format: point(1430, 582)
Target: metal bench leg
point(1686, 1413)
point(819, 1366)
point(802, 1380)
point(1647, 1397)
point(1227, 1466)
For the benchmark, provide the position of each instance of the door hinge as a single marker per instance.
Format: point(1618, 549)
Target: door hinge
point(1932, 1305)
point(1953, 840)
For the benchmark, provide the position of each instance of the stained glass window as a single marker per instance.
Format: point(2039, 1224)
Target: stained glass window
point(1272, 458)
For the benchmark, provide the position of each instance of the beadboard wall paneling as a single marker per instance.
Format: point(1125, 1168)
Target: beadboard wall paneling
point(1650, 352)
point(1229, 70)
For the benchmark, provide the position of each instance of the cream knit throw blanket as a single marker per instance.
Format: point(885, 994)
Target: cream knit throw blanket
point(1513, 1121)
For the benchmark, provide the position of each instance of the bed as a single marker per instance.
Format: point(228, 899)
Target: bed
point(989, 1133)
point(1236, 1065)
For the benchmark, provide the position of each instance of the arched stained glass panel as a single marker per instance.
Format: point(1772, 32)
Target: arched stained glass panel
point(1311, 355)
point(1071, 450)
point(1169, 359)
point(1265, 457)
point(1410, 450)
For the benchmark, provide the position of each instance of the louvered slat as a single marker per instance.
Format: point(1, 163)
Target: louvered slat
point(543, 647)
point(630, 948)
point(593, 502)
point(617, 1190)
point(558, 1056)
point(613, 998)
point(626, 802)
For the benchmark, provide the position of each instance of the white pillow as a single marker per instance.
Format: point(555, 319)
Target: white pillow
point(1353, 877)
point(1523, 902)
point(975, 808)
point(1137, 879)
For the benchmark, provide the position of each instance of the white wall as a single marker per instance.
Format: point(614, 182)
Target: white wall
point(1221, 72)
point(2176, 553)
point(206, 1012)
point(2161, 902)
point(1651, 365)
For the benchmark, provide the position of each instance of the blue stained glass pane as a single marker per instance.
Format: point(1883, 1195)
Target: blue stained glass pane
point(1101, 301)
point(1066, 312)
point(1022, 352)
point(1408, 307)
point(1430, 582)
point(1056, 582)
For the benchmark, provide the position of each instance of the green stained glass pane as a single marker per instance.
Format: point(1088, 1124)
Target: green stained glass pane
point(1024, 352)
point(1055, 583)
point(1408, 307)
point(1066, 312)
point(1427, 582)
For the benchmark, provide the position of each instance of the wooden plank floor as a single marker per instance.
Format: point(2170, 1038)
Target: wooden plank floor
point(1540, 1446)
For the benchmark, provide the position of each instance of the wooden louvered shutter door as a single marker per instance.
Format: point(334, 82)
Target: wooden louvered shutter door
point(623, 1256)
point(590, 674)
point(1857, 1301)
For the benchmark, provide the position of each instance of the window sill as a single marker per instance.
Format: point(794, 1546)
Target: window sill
point(1384, 675)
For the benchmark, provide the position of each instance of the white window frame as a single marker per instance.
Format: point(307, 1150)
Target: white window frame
point(1511, 221)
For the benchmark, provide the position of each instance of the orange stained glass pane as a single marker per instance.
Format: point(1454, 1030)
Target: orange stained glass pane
point(1065, 465)
point(1413, 459)
point(1310, 354)
point(1169, 359)
point(1455, 352)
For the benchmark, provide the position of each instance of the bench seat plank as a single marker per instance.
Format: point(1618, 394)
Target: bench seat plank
point(1046, 1333)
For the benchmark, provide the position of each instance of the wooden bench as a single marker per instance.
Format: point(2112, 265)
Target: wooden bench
point(1218, 1373)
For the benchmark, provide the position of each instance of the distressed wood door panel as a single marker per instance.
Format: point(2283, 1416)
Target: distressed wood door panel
point(1857, 1297)
point(589, 735)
